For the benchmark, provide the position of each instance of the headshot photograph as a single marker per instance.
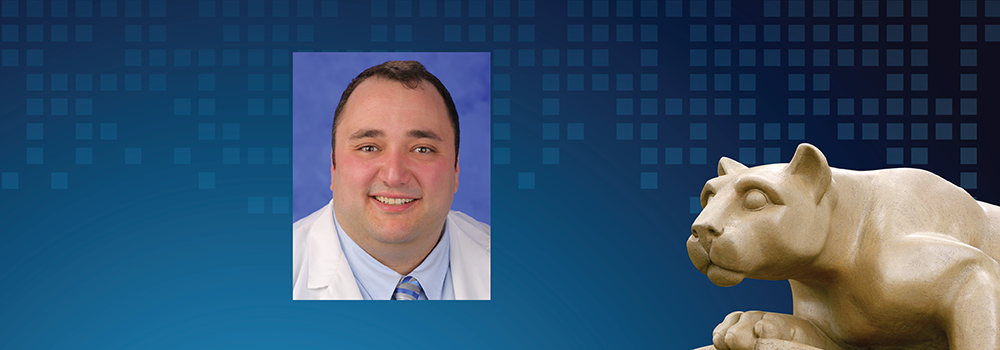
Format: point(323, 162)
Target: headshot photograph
point(391, 176)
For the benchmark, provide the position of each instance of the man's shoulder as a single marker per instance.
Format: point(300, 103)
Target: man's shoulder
point(304, 224)
point(465, 225)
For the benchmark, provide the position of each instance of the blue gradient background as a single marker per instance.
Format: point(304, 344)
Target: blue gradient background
point(153, 212)
point(320, 78)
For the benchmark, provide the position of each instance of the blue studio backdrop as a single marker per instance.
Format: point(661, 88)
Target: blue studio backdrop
point(146, 173)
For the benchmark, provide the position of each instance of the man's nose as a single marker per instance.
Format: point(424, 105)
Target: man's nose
point(395, 169)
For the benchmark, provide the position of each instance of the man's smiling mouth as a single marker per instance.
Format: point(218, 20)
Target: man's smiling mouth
point(393, 201)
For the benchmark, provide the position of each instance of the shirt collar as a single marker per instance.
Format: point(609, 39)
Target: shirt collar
point(377, 281)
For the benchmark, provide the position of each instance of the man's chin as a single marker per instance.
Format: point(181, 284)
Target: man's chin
point(724, 277)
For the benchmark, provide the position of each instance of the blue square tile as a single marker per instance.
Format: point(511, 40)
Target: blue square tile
point(60, 181)
point(550, 106)
point(968, 180)
point(133, 155)
point(968, 131)
point(206, 180)
point(968, 106)
point(279, 205)
point(918, 131)
point(647, 155)
point(574, 131)
point(35, 131)
point(845, 131)
point(501, 155)
point(918, 155)
point(623, 131)
point(34, 156)
point(698, 155)
point(279, 155)
point(526, 181)
point(894, 131)
point(968, 156)
point(182, 155)
point(648, 181)
point(772, 155)
point(648, 106)
point(255, 205)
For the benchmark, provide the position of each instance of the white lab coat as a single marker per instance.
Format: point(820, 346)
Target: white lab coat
point(320, 269)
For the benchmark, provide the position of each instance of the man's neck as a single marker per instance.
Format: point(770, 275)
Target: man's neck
point(400, 257)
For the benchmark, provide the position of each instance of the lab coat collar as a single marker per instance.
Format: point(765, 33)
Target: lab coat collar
point(328, 267)
point(470, 257)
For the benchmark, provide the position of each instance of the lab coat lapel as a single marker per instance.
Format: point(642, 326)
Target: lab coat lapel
point(328, 266)
point(470, 263)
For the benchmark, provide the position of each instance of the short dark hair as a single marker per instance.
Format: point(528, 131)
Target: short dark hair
point(408, 73)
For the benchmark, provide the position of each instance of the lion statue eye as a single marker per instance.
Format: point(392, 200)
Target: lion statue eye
point(755, 200)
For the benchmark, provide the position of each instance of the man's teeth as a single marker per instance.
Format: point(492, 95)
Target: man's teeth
point(393, 201)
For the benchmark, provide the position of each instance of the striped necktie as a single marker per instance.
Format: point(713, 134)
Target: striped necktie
point(407, 289)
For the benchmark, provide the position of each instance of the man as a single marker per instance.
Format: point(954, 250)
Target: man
point(388, 232)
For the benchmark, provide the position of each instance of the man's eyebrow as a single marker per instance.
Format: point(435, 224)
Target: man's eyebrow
point(366, 133)
point(424, 134)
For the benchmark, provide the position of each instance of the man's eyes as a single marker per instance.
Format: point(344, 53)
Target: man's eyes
point(418, 149)
point(368, 148)
point(423, 150)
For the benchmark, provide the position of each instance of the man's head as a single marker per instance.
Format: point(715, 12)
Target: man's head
point(395, 154)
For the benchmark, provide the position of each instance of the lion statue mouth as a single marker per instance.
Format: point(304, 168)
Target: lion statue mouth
point(719, 275)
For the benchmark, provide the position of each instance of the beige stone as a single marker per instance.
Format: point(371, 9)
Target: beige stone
point(882, 259)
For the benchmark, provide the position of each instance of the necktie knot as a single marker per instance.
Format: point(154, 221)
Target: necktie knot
point(408, 288)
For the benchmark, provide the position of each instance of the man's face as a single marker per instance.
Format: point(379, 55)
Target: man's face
point(395, 173)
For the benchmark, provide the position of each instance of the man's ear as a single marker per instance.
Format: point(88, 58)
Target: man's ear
point(729, 166)
point(456, 173)
point(810, 164)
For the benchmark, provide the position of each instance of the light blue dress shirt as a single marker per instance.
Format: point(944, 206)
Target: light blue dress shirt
point(378, 282)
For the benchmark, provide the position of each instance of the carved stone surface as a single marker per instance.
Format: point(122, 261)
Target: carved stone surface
point(772, 344)
point(883, 259)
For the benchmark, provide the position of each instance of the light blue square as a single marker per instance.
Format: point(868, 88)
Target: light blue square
point(894, 131)
point(699, 33)
point(35, 156)
point(623, 131)
point(894, 106)
point(206, 131)
point(772, 155)
point(574, 82)
point(574, 58)
point(748, 131)
point(59, 106)
point(133, 82)
point(206, 181)
point(918, 57)
point(869, 106)
point(133, 155)
point(60, 181)
point(279, 155)
point(648, 106)
point(894, 33)
point(796, 33)
point(550, 131)
point(35, 131)
point(648, 33)
point(869, 131)
point(526, 8)
point(796, 106)
point(255, 106)
point(748, 155)
point(918, 155)
point(84, 106)
point(894, 156)
point(723, 106)
point(182, 155)
point(599, 57)
point(796, 131)
point(821, 57)
point(969, 58)
point(624, 106)
point(599, 33)
point(599, 82)
point(526, 57)
point(673, 106)
point(967, 156)
point(918, 106)
point(623, 8)
point(550, 58)
point(772, 131)
point(501, 155)
point(698, 155)
point(845, 57)
point(648, 82)
point(230, 131)
point(968, 131)
point(894, 58)
point(723, 58)
point(698, 131)
point(279, 205)
point(821, 106)
point(772, 58)
point(256, 205)
point(647, 155)
point(648, 57)
point(723, 33)
point(501, 33)
point(796, 58)
point(648, 131)
point(255, 155)
point(574, 131)
point(845, 131)
point(942, 131)
point(968, 82)
point(501, 106)
point(723, 82)
point(845, 33)
point(699, 82)
point(279, 106)
point(968, 180)
point(699, 106)
point(918, 82)
point(918, 33)
point(8, 181)
point(550, 106)
point(821, 32)
point(526, 181)
point(869, 57)
point(206, 106)
point(623, 82)
point(968, 106)
point(918, 131)
point(968, 8)
point(648, 181)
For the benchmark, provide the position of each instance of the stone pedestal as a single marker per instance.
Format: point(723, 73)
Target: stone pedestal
point(770, 344)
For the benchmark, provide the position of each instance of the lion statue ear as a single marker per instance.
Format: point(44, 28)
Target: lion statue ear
point(810, 164)
point(729, 166)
